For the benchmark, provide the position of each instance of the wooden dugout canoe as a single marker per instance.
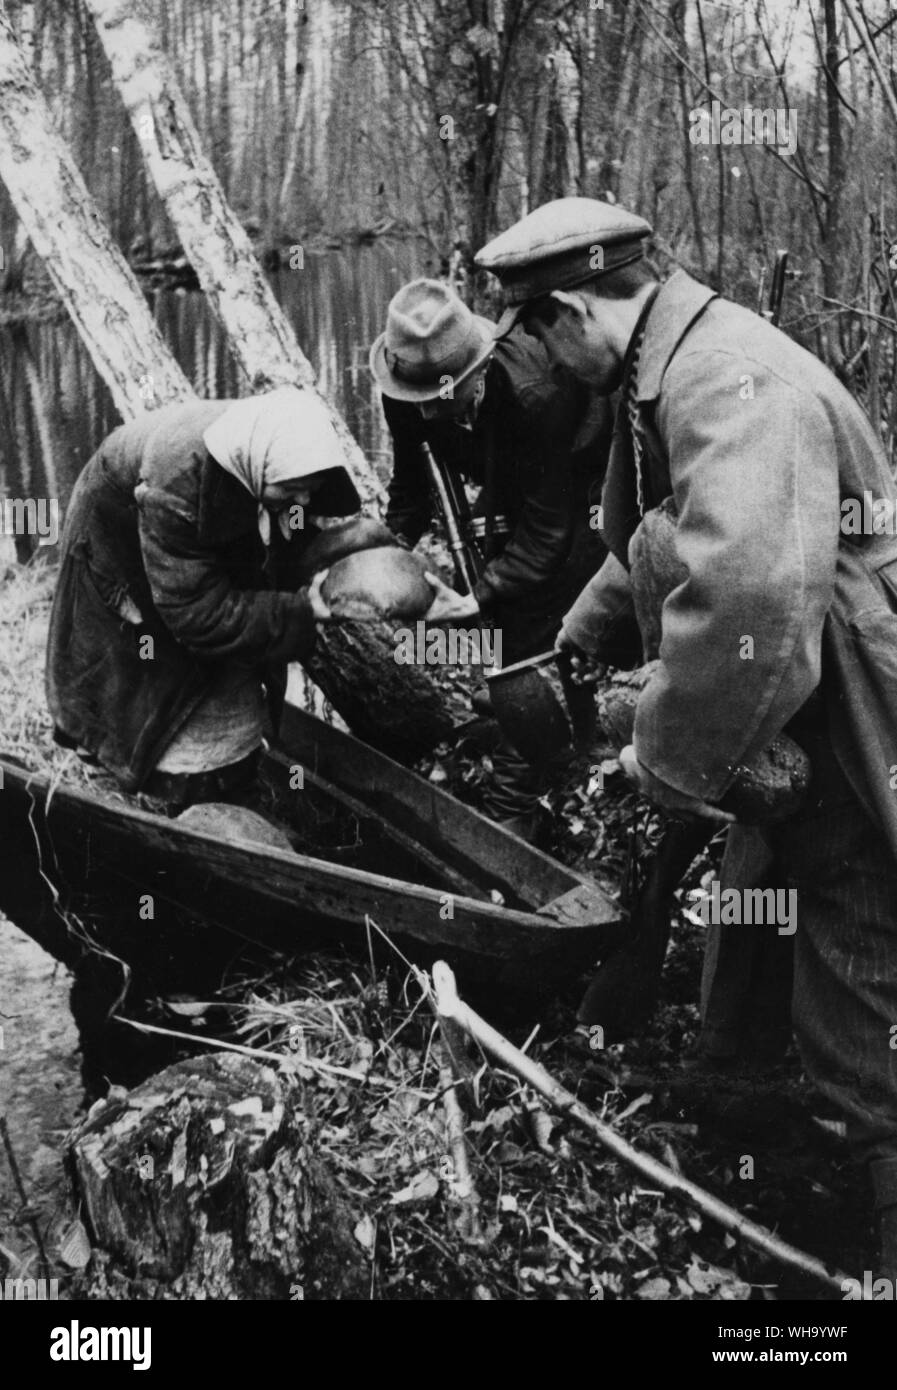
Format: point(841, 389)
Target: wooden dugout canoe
point(382, 842)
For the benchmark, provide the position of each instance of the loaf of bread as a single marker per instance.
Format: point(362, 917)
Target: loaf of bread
point(387, 582)
point(358, 533)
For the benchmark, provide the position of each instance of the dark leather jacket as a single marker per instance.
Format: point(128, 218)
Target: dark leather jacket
point(538, 450)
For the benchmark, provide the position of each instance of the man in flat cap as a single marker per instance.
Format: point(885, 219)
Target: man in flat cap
point(787, 618)
point(535, 445)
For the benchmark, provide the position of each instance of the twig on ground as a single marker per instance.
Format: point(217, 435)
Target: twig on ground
point(291, 1063)
point(23, 1195)
point(461, 1186)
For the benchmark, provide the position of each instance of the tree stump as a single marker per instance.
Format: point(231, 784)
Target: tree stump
point(200, 1184)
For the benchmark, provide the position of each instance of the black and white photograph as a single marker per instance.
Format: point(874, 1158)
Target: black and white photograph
point(448, 668)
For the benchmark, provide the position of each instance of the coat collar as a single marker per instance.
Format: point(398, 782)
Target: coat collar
point(680, 302)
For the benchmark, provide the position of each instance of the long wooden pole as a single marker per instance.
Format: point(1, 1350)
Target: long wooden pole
point(450, 1006)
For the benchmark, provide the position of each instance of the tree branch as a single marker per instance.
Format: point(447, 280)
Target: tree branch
point(449, 1005)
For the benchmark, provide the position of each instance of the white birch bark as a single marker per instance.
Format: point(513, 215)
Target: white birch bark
point(89, 272)
point(261, 337)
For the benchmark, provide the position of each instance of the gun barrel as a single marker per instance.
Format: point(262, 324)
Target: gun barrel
point(462, 556)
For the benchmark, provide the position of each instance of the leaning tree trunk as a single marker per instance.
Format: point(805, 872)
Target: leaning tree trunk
point(212, 236)
point(89, 272)
point(203, 1184)
point(402, 710)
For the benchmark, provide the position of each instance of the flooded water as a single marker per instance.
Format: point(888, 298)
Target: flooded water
point(55, 410)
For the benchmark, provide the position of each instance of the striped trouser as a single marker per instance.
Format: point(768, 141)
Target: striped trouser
point(844, 1004)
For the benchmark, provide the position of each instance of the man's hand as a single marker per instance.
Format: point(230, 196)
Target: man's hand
point(585, 667)
point(676, 802)
point(447, 604)
point(322, 613)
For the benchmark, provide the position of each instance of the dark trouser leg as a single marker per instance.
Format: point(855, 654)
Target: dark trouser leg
point(514, 789)
point(746, 985)
point(516, 786)
point(845, 970)
point(746, 980)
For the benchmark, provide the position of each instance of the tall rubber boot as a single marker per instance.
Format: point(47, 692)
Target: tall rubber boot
point(512, 797)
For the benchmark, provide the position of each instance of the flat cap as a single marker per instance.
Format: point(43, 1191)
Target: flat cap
point(562, 244)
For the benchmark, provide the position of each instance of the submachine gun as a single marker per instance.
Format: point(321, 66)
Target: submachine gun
point(523, 702)
point(468, 536)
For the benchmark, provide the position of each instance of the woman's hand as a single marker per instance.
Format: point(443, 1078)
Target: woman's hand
point(447, 604)
point(319, 608)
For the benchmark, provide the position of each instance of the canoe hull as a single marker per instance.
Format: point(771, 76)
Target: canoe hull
point(157, 870)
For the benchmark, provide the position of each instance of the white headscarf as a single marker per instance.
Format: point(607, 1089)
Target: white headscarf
point(279, 437)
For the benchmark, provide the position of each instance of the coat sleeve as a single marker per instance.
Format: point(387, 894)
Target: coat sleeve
point(544, 427)
point(754, 471)
point(198, 602)
point(408, 508)
point(602, 621)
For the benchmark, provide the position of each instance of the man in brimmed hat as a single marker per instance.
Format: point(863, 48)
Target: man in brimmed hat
point(783, 622)
point(534, 443)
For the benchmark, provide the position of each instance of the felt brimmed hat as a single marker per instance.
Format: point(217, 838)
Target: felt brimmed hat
point(561, 245)
point(431, 336)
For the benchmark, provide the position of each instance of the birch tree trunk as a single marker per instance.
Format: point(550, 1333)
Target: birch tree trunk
point(89, 272)
point(302, 88)
point(399, 709)
point(261, 337)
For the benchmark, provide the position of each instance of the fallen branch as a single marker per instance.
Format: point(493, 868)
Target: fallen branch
point(461, 1185)
point(43, 1265)
point(449, 1005)
point(290, 1063)
point(467, 1075)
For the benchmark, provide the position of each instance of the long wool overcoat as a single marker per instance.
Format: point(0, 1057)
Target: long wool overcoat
point(760, 446)
point(161, 543)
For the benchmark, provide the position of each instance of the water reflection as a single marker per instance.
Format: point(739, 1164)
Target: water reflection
point(55, 409)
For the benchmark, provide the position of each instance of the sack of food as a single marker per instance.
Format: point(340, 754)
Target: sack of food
point(655, 571)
